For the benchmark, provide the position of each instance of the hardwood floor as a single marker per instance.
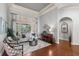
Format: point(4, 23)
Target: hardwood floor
point(62, 49)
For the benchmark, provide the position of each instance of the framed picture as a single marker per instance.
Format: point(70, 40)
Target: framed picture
point(64, 27)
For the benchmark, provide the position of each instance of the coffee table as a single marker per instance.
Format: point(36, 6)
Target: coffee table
point(33, 43)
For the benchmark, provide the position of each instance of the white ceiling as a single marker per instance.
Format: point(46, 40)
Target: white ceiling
point(34, 6)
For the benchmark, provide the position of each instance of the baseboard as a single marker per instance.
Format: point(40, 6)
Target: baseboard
point(57, 42)
point(74, 43)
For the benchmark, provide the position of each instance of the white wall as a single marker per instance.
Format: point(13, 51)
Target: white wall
point(73, 13)
point(50, 19)
point(63, 10)
point(3, 14)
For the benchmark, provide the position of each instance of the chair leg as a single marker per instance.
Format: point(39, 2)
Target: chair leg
point(22, 50)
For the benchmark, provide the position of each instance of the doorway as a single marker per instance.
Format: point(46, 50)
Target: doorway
point(65, 29)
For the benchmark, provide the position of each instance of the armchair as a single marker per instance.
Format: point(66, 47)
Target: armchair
point(13, 48)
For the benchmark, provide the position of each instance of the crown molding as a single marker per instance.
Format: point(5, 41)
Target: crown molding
point(47, 9)
point(14, 7)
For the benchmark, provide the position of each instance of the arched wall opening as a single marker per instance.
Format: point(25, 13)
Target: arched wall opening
point(65, 29)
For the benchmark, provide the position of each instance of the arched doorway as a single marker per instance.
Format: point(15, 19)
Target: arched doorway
point(65, 29)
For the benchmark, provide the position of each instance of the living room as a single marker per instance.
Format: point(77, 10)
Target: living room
point(19, 28)
point(35, 28)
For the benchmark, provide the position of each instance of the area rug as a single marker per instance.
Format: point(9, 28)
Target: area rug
point(28, 49)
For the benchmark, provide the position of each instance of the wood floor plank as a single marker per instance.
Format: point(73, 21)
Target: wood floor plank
point(62, 49)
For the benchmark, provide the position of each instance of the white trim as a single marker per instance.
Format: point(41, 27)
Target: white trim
point(20, 7)
point(74, 43)
point(47, 9)
point(57, 42)
point(14, 7)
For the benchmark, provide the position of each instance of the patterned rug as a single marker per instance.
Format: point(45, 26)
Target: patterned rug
point(28, 49)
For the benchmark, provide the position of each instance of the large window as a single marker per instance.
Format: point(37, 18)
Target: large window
point(0, 25)
point(23, 28)
point(3, 26)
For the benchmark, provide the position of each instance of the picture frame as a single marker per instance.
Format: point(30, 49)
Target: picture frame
point(64, 27)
